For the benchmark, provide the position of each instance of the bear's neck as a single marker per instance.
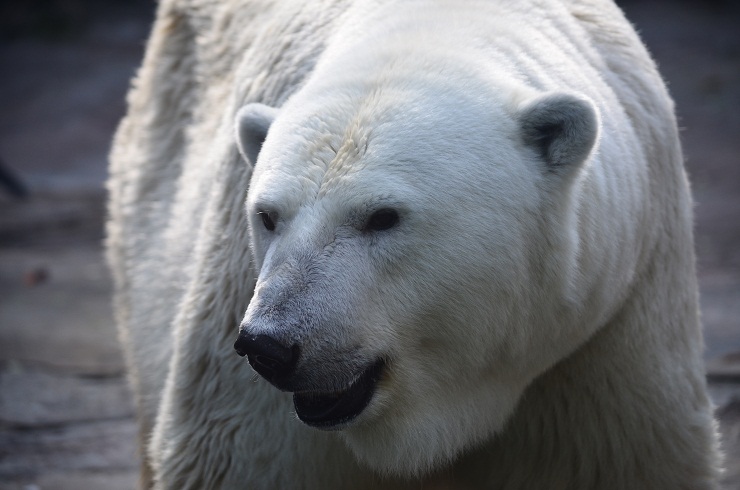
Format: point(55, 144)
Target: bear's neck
point(627, 410)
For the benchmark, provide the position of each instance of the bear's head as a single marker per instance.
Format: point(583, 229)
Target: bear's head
point(416, 254)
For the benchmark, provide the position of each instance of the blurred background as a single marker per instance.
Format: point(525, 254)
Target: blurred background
point(66, 418)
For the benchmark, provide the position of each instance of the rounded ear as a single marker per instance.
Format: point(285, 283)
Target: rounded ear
point(252, 123)
point(562, 128)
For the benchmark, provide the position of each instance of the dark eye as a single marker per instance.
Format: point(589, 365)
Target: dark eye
point(267, 220)
point(382, 219)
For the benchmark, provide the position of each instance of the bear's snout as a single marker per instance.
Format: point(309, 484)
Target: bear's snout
point(270, 358)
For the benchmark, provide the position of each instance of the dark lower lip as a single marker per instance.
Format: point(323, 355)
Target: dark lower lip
point(326, 410)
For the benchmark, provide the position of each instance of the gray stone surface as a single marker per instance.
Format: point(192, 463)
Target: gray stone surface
point(65, 413)
point(44, 399)
point(105, 480)
point(98, 446)
point(64, 322)
point(729, 418)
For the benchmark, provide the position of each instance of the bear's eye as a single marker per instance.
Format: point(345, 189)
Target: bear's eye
point(267, 220)
point(382, 219)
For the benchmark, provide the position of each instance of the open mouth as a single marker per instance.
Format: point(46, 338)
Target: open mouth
point(324, 410)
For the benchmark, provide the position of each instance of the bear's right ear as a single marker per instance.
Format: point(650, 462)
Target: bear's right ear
point(252, 123)
point(562, 128)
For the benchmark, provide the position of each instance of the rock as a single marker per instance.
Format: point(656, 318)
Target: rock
point(725, 368)
point(79, 480)
point(729, 420)
point(64, 324)
point(36, 399)
point(101, 445)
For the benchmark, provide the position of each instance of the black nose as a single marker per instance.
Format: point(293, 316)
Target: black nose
point(267, 356)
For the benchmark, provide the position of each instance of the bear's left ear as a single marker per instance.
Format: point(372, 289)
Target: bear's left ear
point(252, 123)
point(562, 128)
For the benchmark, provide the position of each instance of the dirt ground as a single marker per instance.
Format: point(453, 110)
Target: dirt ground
point(66, 419)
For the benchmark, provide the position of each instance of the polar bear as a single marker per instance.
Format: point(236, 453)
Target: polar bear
point(465, 256)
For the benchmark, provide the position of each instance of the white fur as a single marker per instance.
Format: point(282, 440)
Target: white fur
point(536, 303)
